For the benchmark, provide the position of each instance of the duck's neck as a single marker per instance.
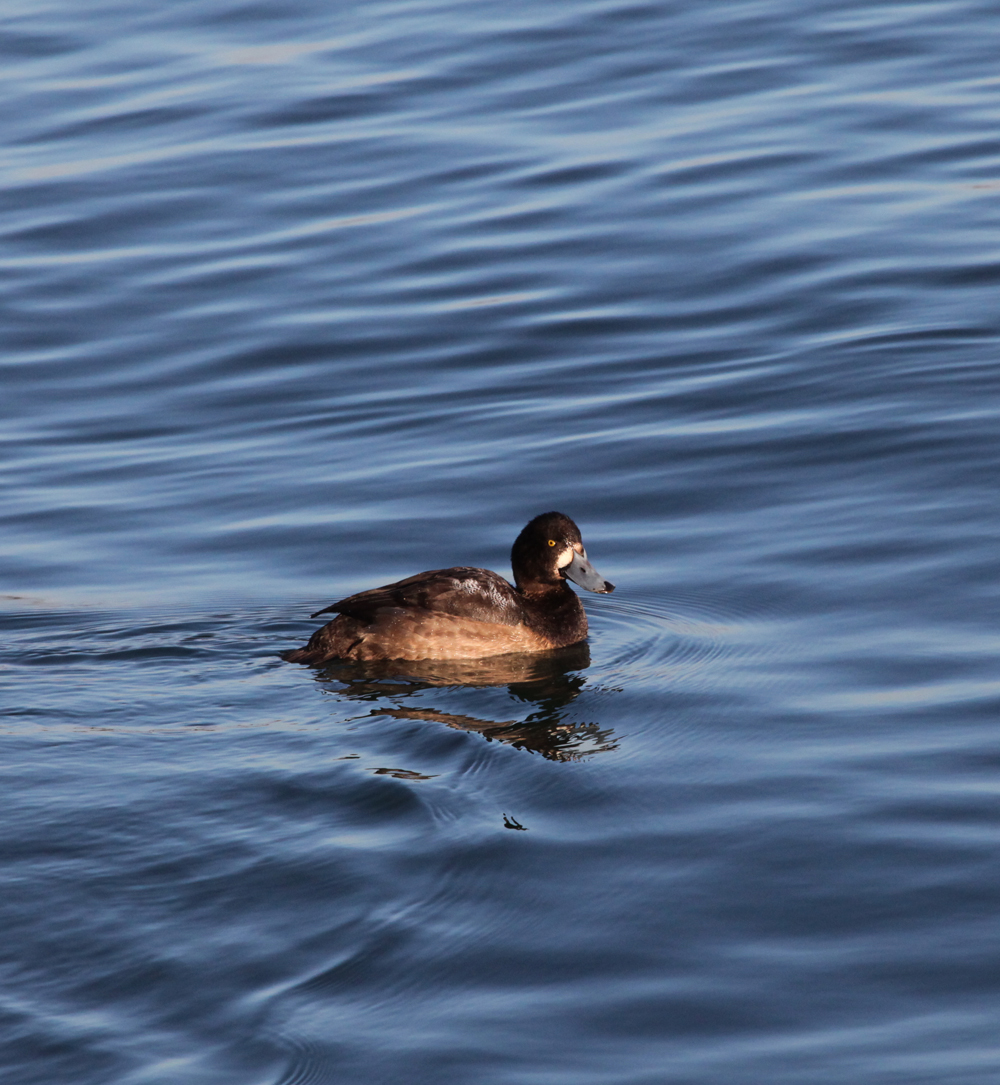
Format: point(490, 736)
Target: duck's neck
point(555, 612)
point(541, 589)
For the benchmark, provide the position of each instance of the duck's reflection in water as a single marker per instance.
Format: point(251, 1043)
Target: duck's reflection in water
point(549, 681)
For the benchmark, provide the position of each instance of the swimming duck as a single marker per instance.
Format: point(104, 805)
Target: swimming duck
point(466, 613)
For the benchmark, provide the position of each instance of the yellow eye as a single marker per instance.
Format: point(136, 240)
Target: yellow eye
point(552, 542)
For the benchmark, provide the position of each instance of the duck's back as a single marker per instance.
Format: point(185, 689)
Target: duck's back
point(459, 613)
point(461, 592)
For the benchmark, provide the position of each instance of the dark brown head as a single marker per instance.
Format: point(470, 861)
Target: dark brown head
point(549, 551)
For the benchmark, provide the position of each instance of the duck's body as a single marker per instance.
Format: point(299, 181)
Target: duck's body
point(466, 613)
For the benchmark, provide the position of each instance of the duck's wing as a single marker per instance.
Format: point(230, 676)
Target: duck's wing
point(478, 594)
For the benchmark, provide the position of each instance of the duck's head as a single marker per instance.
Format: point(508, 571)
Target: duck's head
point(550, 550)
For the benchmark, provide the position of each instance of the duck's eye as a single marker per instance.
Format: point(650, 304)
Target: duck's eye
point(552, 542)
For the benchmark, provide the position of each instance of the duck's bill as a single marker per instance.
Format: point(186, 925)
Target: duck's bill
point(581, 572)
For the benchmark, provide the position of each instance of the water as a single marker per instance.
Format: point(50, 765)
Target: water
point(300, 299)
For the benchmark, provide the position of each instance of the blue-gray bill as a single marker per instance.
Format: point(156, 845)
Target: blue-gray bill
point(581, 572)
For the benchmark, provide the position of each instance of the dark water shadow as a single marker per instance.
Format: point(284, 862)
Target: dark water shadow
point(547, 681)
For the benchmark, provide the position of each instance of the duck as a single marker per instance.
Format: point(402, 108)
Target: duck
point(468, 613)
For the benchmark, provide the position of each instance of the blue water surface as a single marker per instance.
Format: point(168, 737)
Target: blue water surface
point(302, 298)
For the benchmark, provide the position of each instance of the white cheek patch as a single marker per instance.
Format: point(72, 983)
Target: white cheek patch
point(565, 557)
